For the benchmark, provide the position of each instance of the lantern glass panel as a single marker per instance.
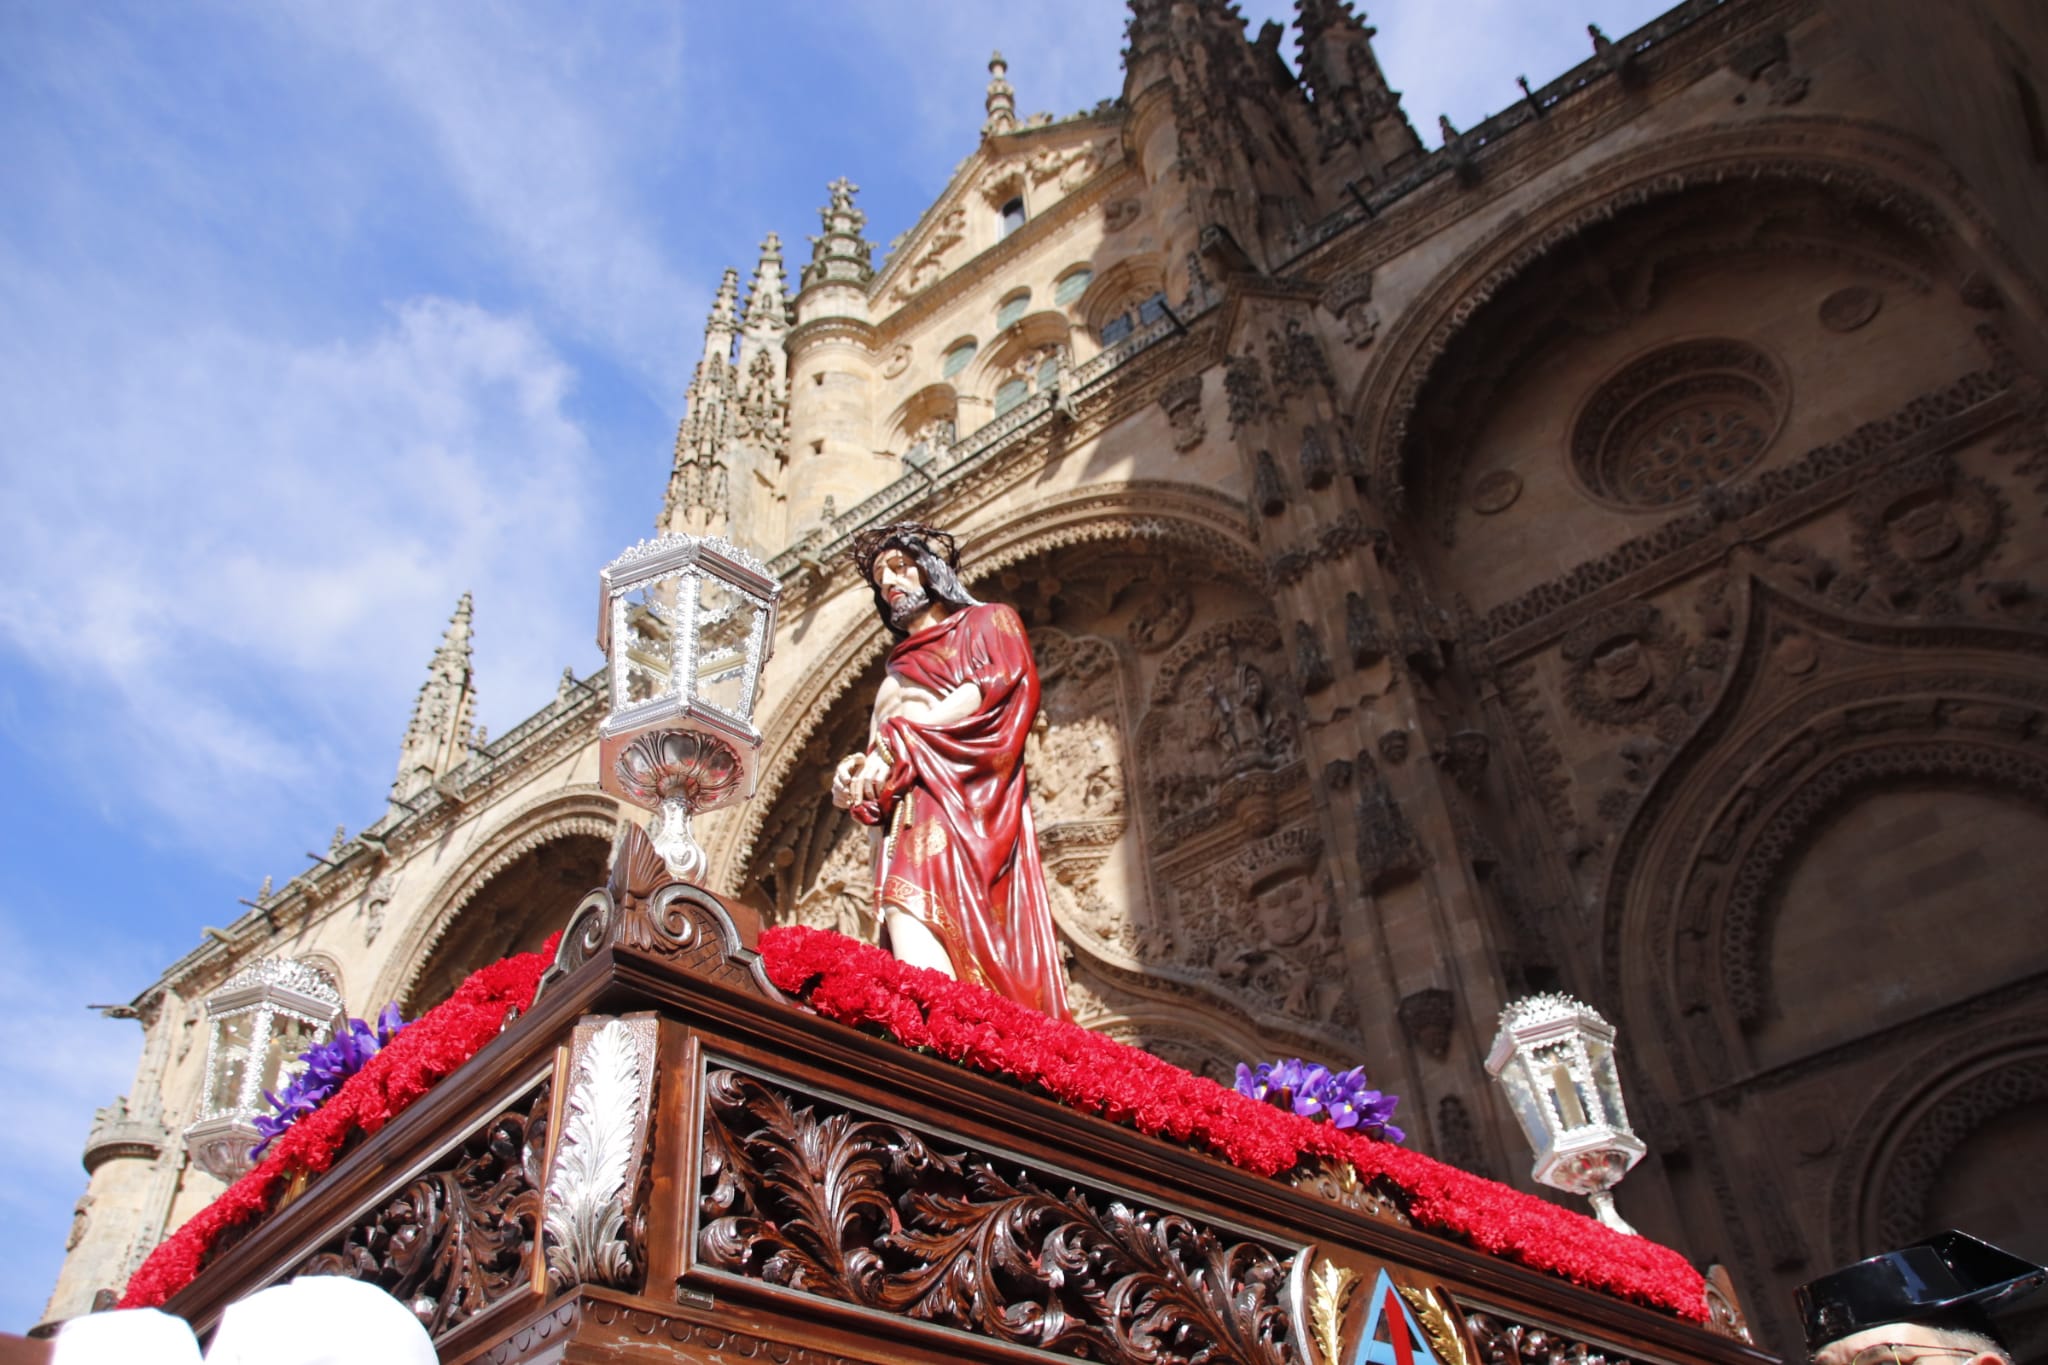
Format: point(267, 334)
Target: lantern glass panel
point(724, 621)
point(231, 1059)
point(1608, 1083)
point(644, 623)
point(1528, 1109)
point(289, 1036)
point(1566, 1096)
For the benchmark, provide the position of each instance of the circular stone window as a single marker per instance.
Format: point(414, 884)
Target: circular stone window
point(1672, 422)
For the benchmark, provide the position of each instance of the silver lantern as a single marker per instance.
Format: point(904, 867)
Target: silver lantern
point(1554, 1056)
point(256, 1027)
point(686, 622)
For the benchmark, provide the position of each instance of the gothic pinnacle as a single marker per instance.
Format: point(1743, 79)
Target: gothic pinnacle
point(1001, 103)
point(840, 253)
point(438, 734)
point(723, 322)
point(767, 305)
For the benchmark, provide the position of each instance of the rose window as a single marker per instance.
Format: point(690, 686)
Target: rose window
point(1676, 420)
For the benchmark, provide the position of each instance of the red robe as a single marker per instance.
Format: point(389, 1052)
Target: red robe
point(961, 856)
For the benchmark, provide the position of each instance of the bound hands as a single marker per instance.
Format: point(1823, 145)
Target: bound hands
point(858, 778)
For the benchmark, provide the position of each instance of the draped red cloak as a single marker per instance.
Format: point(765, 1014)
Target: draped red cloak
point(961, 854)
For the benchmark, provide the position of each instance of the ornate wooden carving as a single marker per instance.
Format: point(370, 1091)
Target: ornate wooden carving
point(804, 1193)
point(643, 909)
point(460, 1237)
point(1500, 1340)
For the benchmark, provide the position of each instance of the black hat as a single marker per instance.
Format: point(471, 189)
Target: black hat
point(1950, 1279)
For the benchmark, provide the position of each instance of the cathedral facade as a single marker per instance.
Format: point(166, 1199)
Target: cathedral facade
point(1602, 553)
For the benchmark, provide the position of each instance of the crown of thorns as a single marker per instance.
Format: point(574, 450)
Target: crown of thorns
point(868, 545)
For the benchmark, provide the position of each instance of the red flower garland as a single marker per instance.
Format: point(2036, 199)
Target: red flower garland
point(429, 1048)
point(856, 983)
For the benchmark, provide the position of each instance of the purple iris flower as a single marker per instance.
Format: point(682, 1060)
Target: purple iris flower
point(1344, 1098)
point(322, 1069)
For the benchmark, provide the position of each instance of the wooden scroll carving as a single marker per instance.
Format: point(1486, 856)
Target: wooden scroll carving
point(1498, 1340)
point(456, 1239)
point(642, 909)
point(800, 1192)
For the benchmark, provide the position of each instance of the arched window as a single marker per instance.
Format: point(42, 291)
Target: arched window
point(1123, 324)
point(957, 358)
point(1072, 285)
point(1013, 392)
point(1013, 215)
point(1012, 308)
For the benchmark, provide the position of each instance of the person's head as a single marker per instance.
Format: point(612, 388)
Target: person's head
point(1929, 1301)
point(1960, 1342)
point(910, 567)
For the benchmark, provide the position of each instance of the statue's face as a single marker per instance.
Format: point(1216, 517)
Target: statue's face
point(902, 584)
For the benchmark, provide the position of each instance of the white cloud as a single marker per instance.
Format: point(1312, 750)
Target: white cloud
point(235, 554)
point(548, 124)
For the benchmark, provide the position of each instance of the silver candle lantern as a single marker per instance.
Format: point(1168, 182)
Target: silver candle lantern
point(256, 1026)
point(1554, 1056)
point(686, 622)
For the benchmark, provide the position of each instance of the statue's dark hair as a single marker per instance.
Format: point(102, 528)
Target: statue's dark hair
point(937, 556)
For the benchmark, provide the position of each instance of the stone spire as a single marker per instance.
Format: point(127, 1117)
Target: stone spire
point(437, 741)
point(767, 316)
point(840, 254)
point(1349, 97)
point(761, 380)
point(697, 482)
point(1238, 117)
point(1002, 98)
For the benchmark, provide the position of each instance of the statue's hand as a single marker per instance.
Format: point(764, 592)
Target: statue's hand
point(846, 780)
point(874, 771)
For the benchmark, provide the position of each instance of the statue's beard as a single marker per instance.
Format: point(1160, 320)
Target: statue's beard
point(904, 609)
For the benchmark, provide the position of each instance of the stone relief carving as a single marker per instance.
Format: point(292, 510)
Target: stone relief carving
point(1924, 526)
point(1388, 849)
point(841, 896)
point(1182, 400)
point(1263, 923)
point(1217, 732)
point(375, 899)
point(1120, 214)
point(1495, 492)
point(1349, 299)
point(1244, 387)
point(1620, 664)
point(1311, 662)
point(930, 263)
point(1161, 619)
point(1427, 1017)
point(1296, 361)
point(1847, 309)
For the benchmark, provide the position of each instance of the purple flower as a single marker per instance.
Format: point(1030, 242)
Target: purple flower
point(322, 1069)
point(1344, 1098)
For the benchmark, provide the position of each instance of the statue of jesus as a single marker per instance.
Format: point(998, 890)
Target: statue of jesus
point(958, 884)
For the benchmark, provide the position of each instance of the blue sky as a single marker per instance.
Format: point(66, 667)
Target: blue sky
point(315, 315)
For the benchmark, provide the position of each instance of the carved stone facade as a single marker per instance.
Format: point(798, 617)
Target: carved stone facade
point(1605, 553)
